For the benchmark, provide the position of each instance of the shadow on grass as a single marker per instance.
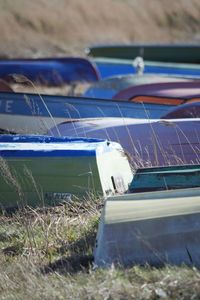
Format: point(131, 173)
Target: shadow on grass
point(74, 262)
point(69, 265)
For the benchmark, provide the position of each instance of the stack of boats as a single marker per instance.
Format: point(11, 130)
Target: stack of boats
point(132, 137)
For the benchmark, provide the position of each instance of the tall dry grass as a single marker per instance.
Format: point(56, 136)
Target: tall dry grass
point(66, 27)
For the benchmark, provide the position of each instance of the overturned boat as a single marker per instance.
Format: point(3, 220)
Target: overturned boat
point(165, 178)
point(179, 89)
point(35, 114)
point(148, 142)
point(111, 86)
point(153, 228)
point(190, 109)
point(50, 71)
point(112, 67)
point(154, 52)
point(41, 171)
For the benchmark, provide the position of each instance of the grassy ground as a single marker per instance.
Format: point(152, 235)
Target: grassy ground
point(47, 254)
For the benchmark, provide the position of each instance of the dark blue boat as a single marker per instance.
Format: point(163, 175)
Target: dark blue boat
point(51, 71)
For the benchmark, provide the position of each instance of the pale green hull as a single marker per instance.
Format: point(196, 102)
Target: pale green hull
point(38, 181)
point(152, 228)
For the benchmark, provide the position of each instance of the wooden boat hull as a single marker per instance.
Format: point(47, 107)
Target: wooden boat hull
point(41, 171)
point(153, 228)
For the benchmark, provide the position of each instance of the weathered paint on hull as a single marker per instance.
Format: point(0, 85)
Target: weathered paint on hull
point(165, 178)
point(164, 229)
point(40, 171)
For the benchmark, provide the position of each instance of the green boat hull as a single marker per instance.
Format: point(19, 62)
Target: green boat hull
point(165, 53)
point(48, 181)
point(51, 180)
point(165, 178)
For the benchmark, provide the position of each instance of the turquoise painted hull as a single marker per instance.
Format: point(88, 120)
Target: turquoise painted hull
point(165, 178)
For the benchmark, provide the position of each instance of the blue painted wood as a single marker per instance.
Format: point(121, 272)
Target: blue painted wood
point(165, 178)
point(16, 145)
point(10, 138)
point(76, 107)
point(51, 71)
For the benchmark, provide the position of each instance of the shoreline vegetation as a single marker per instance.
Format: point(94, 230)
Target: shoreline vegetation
point(60, 28)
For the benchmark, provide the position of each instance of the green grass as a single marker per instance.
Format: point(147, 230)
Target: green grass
point(47, 254)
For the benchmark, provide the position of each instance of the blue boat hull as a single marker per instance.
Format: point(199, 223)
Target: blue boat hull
point(113, 67)
point(51, 71)
point(30, 113)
